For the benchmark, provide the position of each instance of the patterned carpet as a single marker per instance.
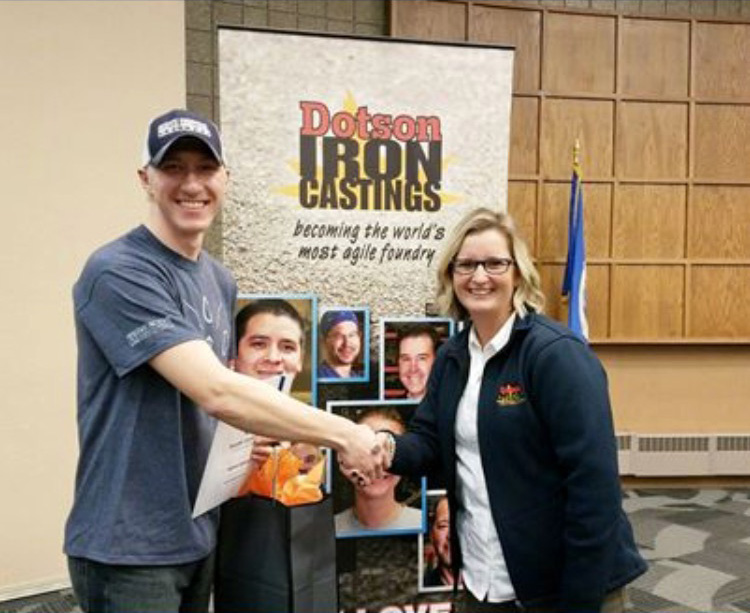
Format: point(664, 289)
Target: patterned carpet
point(697, 543)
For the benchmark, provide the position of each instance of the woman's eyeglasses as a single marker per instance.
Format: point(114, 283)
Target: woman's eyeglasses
point(492, 266)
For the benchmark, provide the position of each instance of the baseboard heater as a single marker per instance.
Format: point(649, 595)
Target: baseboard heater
point(673, 455)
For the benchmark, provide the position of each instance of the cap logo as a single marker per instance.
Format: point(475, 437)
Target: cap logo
point(183, 124)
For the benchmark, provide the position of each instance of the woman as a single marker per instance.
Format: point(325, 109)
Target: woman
point(517, 416)
point(375, 505)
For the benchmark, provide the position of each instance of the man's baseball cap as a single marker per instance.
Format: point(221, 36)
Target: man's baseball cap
point(165, 130)
point(333, 318)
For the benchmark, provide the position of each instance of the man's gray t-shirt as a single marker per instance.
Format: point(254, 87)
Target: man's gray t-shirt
point(143, 444)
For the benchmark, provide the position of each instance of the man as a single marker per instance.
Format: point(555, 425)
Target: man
point(342, 342)
point(271, 343)
point(154, 331)
point(440, 537)
point(416, 352)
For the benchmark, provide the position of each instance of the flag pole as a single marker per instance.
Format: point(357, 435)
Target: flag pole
point(574, 278)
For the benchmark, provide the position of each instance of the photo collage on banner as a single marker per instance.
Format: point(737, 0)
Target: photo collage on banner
point(353, 159)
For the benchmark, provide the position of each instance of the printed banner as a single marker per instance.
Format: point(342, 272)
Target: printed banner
point(352, 158)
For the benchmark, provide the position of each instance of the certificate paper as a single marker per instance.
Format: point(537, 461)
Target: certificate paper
point(229, 461)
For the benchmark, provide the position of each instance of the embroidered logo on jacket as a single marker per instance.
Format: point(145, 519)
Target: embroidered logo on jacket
point(510, 394)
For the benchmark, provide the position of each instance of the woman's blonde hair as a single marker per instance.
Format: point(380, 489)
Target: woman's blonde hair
point(528, 293)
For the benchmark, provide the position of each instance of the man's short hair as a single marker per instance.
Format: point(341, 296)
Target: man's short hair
point(419, 329)
point(274, 306)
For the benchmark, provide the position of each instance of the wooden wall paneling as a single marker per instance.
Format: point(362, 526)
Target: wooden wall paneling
point(597, 300)
point(429, 19)
point(652, 140)
point(551, 277)
point(579, 53)
point(564, 121)
point(647, 301)
point(720, 299)
point(722, 60)
point(597, 308)
point(720, 222)
point(649, 222)
point(522, 207)
point(654, 58)
point(661, 106)
point(722, 134)
point(553, 219)
point(524, 136)
point(514, 27)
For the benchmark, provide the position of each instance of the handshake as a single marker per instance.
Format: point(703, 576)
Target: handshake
point(366, 454)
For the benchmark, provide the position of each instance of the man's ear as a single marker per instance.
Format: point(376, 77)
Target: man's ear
point(143, 178)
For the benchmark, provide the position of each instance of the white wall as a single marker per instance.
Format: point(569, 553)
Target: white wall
point(79, 82)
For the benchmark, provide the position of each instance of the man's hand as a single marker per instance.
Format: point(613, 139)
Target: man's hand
point(262, 447)
point(361, 458)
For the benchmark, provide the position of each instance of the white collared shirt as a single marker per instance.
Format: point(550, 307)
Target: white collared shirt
point(485, 572)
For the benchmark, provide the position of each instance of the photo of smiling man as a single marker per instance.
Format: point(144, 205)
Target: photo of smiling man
point(344, 338)
point(408, 349)
point(274, 339)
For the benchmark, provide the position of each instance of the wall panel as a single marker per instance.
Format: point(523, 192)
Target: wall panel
point(524, 136)
point(522, 206)
point(652, 140)
point(649, 222)
point(722, 134)
point(517, 28)
point(566, 120)
point(597, 281)
point(554, 220)
point(579, 53)
point(430, 19)
point(647, 301)
point(720, 222)
point(720, 296)
point(649, 45)
point(722, 57)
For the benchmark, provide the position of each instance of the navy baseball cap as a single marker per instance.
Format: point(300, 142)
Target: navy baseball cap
point(333, 318)
point(165, 130)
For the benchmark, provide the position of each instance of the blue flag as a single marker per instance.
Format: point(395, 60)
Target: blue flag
point(574, 282)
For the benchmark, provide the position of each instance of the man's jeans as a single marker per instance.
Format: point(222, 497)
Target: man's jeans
point(109, 588)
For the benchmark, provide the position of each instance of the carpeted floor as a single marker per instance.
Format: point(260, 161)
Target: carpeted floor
point(697, 543)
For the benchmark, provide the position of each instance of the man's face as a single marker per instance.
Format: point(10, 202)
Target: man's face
point(440, 533)
point(343, 344)
point(270, 346)
point(187, 190)
point(415, 357)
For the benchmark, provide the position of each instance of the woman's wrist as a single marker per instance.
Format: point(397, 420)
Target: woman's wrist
point(389, 444)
